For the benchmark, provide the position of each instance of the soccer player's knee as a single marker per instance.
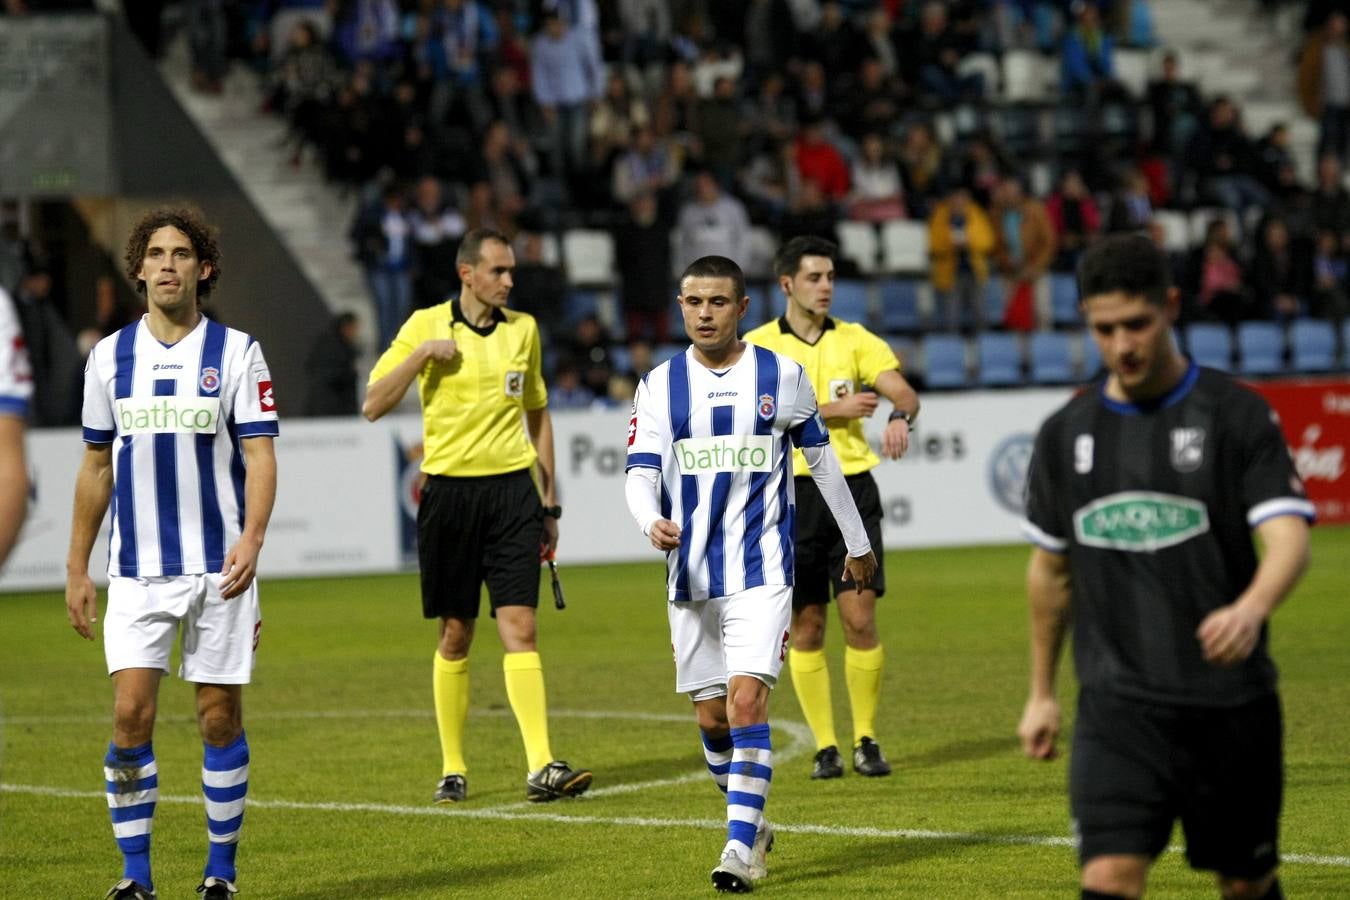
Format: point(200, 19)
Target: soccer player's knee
point(220, 723)
point(1267, 887)
point(134, 717)
point(1114, 877)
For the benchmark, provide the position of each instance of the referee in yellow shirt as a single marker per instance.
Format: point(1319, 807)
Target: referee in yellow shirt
point(477, 367)
point(848, 366)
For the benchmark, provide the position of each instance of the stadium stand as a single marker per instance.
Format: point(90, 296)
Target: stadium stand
point(1260, 348)
point(1210, 344)
point(1050, 357)
point(944, 362)
point(1312, 346)
point(998, 357)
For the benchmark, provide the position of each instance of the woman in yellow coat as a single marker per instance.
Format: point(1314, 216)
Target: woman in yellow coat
point(960, 241)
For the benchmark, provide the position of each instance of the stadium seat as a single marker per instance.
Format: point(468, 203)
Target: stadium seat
point(1260, 348)
point(1064, 301)
point(944, 361)
point(1131, 70)
point(1027, 76)
point(1312, 346)
point(904, 247)
point(986, 66)
point(763, 246)
point(900, 308)
point(1210, 344)
point(852, 301)
point(588, 257)
point(998, 359)
point(1090, 364)
point(995, 295)
point(1051, 358)
point(858, 241)
point(1176, 230)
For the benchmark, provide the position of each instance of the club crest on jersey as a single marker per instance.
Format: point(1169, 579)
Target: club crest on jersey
point(841, 387)
point(1188, 448)
point(515, 384)
point(210, 381)
point(1082, 454)
point(766, 406)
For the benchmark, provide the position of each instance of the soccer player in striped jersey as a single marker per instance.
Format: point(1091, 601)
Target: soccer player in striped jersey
point(16, 388)
point(179, 419)
point(710, 484)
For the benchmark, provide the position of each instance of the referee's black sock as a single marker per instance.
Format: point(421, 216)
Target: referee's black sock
point(1101, 895)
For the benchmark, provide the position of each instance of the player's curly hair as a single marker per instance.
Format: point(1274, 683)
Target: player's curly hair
point(189, 221)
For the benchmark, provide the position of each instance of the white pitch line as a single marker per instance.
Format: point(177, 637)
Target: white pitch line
point(921, 834)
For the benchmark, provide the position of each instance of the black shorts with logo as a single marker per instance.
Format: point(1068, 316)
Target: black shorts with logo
point(472, 530)
point(1137, 767)
point(820, 546)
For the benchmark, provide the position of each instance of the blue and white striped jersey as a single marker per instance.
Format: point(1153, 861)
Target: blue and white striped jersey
point(722, 442)
point(16, 379)
point(175, 416)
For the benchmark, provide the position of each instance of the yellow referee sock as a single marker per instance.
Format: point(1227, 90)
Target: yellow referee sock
point(811, 681)
point(450, 690)
point(525, 691)
point(862, 671)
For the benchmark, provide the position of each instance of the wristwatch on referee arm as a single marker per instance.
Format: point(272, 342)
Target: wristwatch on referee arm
point(902, 414)
point(553, 512)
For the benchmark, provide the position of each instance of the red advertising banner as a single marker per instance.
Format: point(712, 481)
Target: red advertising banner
point(1315, 416)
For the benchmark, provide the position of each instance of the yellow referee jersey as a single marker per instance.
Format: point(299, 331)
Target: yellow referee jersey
point(473, 407)
point(846, 357)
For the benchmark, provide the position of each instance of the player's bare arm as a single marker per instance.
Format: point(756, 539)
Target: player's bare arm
point(14, 477)
point(93, 490)
point(1048, 590)
point(1229, 634)
point(893, 386)
point(540, 425)
point(385, 394)
point(260, 491)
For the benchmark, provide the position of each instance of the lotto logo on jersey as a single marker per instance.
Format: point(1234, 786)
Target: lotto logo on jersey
point(726, 453)
point(168, 415)
point(266, 402)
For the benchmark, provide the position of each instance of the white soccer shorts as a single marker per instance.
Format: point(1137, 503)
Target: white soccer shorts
point(219, 637)
point(743, 634)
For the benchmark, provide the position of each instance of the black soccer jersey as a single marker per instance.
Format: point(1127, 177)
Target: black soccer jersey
point(1154, 506)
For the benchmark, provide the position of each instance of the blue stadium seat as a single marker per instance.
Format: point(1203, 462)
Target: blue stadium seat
point(944, 360)
point(1091, 364)
point(1064, 301)
point(851, 302)
point(999, 359)
point(900, 311)
point(1210, 344)
point(1051, 358)
point(1260, 348)
point(1312, 345)
point(995, 296)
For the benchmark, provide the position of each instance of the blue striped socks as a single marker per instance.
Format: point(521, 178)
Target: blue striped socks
point(747, 786)
point(131, 781)
point(224, 782)
point(717, 751)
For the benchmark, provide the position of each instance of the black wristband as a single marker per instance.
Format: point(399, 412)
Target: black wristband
point(553, 512)
point(901, 414)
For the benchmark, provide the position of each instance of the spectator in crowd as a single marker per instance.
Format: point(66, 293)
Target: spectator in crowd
point(721, 144)
point(873, 103)
point(1330, 279)
point(565, 83)
point(206, 39)
point(368, 31)
point(566, 390)
point(711, 223)
point(650, 166)
point(111, 311)
point(877, 194)
point(508, 165)
point(922, 169)
point(540, 286)
point(614, 121)
point(641, 359)
point(960, 241)
point(1217, 278)
point(331, 366)
point(1086, 57)
point(809, 212)
point(1175, 108)
point(934, 52)
point(1330, 201)
point(814, 99)
point(52, 354)
point(1024, 247)
point(1273, 155)
point(834, 42)
point(1076, 219)
point(461, 33)
point(1279, 273)
point(642, 253)
point(1324, 84)
point(646, 27)
point(1222, 159)
point(770, 117)
point(1131, 207)
point(436, 229)
point(506, 100)
point(676, 108)
point(984, 167)
point(290, 13)
point(819, 161)
point(382, 237)
point(302, 84)
point(591, 346)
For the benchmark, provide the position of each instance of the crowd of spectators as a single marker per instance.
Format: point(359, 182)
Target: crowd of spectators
point(677, 125)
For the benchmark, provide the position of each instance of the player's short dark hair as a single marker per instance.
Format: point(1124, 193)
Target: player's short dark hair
point(470, 251)
point(716, 267)
point(1129, 263)
point(193, 224)
point(789, 258)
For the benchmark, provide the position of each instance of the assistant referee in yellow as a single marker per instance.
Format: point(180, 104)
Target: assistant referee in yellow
point(489, 505)
point(849, 367)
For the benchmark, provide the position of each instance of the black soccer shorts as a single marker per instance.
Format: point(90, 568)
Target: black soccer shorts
point(1137, 766)
point(820, 547)
point(476, 530)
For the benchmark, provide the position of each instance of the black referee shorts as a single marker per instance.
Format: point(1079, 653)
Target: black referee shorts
point(472, 530)
point(1137, 767)
point(820, 546)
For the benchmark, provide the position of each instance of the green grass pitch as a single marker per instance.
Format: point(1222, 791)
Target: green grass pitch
point(345, 754)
